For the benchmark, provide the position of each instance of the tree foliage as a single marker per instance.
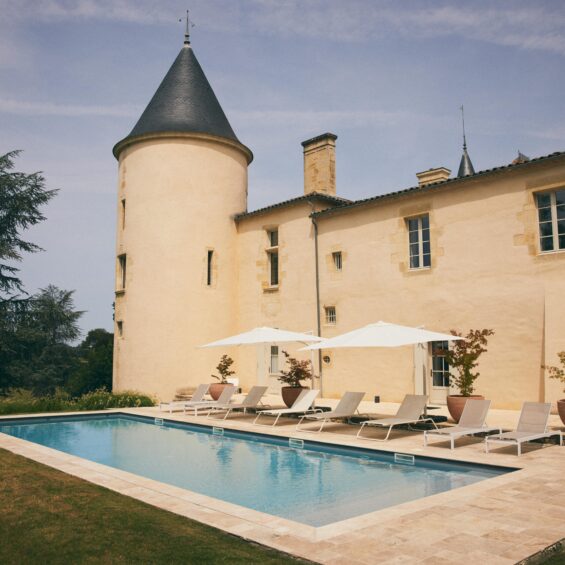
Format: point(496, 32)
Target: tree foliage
point(557, 372)
point(463, 356)
point(21, 197)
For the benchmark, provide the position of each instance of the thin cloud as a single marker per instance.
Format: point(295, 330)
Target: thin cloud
point(24, 108)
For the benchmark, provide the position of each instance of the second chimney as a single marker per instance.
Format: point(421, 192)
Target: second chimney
point(431, 176)
point(319, 164)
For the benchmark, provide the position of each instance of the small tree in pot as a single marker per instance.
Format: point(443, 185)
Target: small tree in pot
point(224, 371)
point(559, 374)
point(297, 372)
point(463, 356)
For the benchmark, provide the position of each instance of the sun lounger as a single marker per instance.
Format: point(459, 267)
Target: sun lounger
point(198, 396)
point(302, 405)
point(531, 425)
point(345, 408)
point(224, 398)
point(472, 422)
point(250, 401)
point(409, 412)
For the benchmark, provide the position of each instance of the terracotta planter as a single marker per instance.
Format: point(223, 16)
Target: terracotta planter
point(216, 389)
point(561, 409)
point(290, 394)
point(456, 403)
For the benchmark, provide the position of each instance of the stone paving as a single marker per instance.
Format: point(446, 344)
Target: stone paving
point(500, 520)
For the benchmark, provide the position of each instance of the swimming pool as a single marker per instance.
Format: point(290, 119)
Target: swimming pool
point(311, 483)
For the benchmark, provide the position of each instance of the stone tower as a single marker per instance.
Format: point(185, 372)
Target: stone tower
point(182, 177)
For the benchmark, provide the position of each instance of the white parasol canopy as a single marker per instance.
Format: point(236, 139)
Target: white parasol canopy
point(382, 334)
point(264, 335)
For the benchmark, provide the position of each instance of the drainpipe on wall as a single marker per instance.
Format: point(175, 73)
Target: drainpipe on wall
point(318, 313)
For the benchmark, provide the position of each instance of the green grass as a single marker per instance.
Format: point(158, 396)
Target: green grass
point(48, 516)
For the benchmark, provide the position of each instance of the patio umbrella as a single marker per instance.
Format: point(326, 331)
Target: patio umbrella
point(264, 335)
point(382, 334)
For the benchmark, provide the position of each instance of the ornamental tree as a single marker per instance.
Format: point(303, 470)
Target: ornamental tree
point(463, 357)
point(297, 371)
point(223, 368)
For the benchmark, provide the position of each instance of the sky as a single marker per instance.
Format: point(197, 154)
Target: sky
point(387, 77)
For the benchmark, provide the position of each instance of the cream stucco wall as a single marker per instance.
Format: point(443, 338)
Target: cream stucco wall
point(181, 194)
point(486, 273)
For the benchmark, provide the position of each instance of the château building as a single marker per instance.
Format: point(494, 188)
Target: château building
point(482, 249)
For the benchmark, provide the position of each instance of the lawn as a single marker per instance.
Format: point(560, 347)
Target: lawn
point(50, 517)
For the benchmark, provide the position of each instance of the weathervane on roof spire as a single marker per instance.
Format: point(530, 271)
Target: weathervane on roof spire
point(463, 120)
point(189, 24)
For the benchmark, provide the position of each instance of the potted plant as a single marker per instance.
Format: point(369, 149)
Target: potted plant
point(297, 372)
point(224, 371)
point(559, 374)
point(463, 357)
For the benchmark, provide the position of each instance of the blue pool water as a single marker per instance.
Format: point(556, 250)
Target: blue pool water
point(316, 485)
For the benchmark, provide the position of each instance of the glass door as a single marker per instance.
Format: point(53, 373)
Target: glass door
point(439, 373)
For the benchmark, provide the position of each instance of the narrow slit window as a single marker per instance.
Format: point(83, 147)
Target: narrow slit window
point(274, 268)
point(122, 266)
point(336, 256)
point(123, 213)
point(331, 317)
point(419, 242)
point(120, 328)
point(209, 265)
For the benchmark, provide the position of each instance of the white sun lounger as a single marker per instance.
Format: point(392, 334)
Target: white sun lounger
point(531, 425)
point(345, 408)
point(409, 412)
point(250, 401)
point(472, 422)
point(224, 398)
point(198, 396)
point(302, 405)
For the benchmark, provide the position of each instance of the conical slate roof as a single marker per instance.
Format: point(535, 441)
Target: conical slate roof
point(465, 166)
point(184, 102)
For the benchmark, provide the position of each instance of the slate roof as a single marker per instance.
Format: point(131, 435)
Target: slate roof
point(465, 166)
point(438, 185)
point(184, 102)
point(321, 197)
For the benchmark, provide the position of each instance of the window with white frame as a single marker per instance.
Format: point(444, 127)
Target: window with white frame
point(337, 260)
point(273, 256)
point(331, 317)
point(440, 367)
point(274, 362)
point(551, 218)
point(419, 242)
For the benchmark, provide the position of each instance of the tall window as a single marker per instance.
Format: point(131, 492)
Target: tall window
point(122, 263)
point(419, 238)
point(123, 213)
point(120, 326)
point(336, 256)
point(551, 216)
point(440, 368)
point(273, 255)
point(274, 364)
point(331, 317)
point(209, 263)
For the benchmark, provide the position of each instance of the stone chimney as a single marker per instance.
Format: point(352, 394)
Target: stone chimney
point(433, 175)
point(319, 164)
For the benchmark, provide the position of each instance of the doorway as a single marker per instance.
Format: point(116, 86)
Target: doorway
point(439, 372)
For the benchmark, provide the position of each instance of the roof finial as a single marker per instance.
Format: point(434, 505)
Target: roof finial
point(189, 24)
point(463, 120)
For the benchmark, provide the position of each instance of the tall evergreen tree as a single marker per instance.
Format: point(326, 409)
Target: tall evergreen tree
point(21, 197)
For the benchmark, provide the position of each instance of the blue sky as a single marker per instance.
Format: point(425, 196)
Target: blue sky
point(387, 77)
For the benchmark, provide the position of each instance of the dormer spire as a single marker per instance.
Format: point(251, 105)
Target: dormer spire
point(465, 166)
